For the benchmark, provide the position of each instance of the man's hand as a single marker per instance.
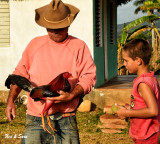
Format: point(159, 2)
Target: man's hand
point(10, 111)
point(65, 96)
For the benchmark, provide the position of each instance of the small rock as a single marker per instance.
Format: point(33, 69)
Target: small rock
point(107, 109)
point(85, 106)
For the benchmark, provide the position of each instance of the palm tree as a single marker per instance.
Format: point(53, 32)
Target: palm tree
point(148, 6)
point(135, 30)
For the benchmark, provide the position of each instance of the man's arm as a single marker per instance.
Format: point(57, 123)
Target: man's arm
point(86, 72)
point(10, 108)
point(65, 96)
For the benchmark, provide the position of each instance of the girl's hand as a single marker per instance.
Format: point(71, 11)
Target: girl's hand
point(121, 112)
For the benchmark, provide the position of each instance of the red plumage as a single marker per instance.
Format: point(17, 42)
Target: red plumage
point(50, 90)
point(41, 92)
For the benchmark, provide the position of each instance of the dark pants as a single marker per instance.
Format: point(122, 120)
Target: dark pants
point(67, 132)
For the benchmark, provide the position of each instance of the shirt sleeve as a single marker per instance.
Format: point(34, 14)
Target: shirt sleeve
point(86, 69)
point(23, 65)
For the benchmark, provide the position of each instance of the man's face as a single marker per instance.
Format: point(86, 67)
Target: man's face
point(58, 35)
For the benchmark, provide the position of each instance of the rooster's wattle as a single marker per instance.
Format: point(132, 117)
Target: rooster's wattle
point(41, 92)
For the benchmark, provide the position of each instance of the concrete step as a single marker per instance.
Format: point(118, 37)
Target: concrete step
point(103, 97)
point(117, 90)
point(4, 95)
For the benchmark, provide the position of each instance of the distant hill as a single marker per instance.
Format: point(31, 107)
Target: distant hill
point(120, 26)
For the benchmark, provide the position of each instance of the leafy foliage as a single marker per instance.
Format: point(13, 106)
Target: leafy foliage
point(147, 6)
point(137, 28)
point(141, 20)
point(158, 61)
point(139, 31)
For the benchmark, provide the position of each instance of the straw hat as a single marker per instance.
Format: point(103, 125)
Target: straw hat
point(56, 15)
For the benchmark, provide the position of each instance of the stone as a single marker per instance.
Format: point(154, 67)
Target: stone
point(111, 131)
point(111, 119)
point(85, 106)
point(107, 109)
point(22, 99)
point(4, 95)
point(113, 126)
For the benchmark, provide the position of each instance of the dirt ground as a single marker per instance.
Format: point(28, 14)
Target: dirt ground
point(90, 133)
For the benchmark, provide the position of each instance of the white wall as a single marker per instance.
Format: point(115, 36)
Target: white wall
point(23, 28)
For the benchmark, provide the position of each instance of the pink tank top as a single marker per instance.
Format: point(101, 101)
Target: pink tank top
point(144, 128)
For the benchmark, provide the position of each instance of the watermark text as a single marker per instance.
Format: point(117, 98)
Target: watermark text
point(15, 136)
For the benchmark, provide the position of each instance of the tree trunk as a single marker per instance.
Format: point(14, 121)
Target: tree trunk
point(153, 36)
point(155, 55)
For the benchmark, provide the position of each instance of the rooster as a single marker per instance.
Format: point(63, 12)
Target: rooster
point(42, 92)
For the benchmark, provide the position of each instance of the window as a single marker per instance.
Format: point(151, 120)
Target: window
point(4, 23)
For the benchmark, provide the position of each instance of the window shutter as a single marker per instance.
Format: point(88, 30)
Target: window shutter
point(112, 23)
point(98, 22)
point(4, 23)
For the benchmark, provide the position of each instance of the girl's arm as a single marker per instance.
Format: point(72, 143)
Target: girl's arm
point(151, 109)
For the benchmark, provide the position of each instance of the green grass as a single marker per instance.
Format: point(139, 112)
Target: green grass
point(14, 128)
point(90, 133)
point(88, 123)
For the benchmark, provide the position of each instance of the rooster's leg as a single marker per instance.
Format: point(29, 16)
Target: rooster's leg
point(50, 124)
point(48, 104)
point(43, 124)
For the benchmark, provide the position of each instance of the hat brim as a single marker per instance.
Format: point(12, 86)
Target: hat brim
point(40, 17)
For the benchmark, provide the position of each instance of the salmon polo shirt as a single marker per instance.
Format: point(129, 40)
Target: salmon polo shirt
point(144, 128)
point(43, 60)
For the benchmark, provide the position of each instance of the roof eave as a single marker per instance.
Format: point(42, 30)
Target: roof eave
point(119, 2)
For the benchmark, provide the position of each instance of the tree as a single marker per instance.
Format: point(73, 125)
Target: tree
point(135, 30)
point(148, 6)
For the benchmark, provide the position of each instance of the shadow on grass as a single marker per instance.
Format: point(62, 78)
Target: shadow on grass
point(13, 124)
point(4, 122)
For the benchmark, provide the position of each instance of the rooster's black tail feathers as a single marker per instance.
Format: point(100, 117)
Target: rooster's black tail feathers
point(20, 81)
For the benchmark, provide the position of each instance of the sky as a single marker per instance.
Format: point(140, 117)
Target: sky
point(126, 13)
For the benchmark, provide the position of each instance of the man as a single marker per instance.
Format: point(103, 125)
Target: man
point(44, 58)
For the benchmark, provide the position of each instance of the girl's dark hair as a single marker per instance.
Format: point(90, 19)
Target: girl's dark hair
point(139, 48)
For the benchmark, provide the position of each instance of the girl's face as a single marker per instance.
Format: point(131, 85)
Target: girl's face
point(129, 63)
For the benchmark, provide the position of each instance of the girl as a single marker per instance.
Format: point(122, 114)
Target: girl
point(143, 112)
